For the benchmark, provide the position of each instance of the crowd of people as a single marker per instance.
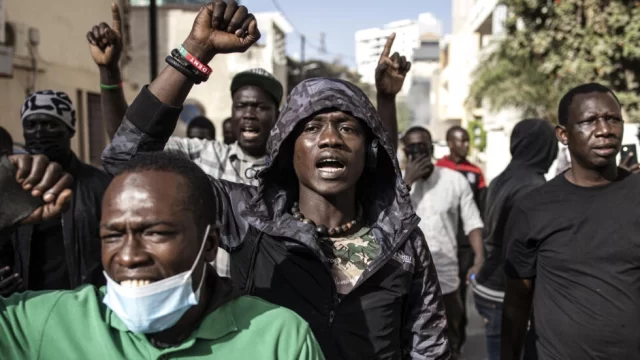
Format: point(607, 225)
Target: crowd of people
point(298, 236)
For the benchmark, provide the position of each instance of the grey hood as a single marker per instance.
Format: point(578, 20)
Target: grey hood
point(387, 204)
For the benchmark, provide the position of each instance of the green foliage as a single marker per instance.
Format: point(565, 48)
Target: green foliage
point(550, 46)
point(477, 135)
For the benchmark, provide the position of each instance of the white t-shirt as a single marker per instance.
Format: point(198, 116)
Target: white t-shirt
point(440, 201)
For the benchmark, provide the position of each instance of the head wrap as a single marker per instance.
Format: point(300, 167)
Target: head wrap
point(53, 103)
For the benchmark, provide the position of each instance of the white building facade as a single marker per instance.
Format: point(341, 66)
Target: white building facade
point(475, 24)
point(369, 44)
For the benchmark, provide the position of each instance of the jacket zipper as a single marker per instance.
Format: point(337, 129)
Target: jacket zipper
point(382, 262)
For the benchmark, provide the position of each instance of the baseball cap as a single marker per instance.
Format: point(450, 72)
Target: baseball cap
point(260, 78)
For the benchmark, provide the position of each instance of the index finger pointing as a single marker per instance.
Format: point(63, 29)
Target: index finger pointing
point(387, 47)
point(116, 22)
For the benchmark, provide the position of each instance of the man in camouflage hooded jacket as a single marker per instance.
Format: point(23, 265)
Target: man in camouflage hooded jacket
point(394, 310)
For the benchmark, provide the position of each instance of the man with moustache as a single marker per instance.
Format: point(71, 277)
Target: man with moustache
point(63, 252)
point(163, 300)
point(573, 244)
point(534, 147)
point(329, 231)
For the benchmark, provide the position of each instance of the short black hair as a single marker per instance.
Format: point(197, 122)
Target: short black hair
point(6, 141)
point(202, 122)
point(452, 130)
point(227, 120)
point(198, 196)
point(565, 102)
point(416, 129)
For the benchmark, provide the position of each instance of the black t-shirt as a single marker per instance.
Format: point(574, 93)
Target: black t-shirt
point(582, 246)
point(48, 266)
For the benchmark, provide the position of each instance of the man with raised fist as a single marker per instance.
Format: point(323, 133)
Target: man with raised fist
point(332, 184)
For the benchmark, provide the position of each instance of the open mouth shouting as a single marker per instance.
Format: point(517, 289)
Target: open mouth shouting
point(250, 132)
point(330, 166)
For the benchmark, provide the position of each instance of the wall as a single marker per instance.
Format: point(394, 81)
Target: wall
point(63, 59)
point(455, 78)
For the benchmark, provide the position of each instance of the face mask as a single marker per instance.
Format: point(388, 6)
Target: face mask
point(52, 148)
point(157, 306)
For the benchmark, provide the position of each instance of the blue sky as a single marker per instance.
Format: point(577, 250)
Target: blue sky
point(340, 19)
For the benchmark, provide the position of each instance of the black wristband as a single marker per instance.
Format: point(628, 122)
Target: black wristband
point(187, 65)
point(182, 69)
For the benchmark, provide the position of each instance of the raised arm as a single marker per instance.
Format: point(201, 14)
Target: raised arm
point(219, 28)
point(390, 75)
point(105, 45)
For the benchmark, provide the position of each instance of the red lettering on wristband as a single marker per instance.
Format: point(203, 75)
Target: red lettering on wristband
point(198, 65)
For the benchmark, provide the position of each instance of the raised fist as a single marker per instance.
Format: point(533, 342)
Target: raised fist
point(221, 28)
point(44, 179)
point(391, 71)
point(105, 42)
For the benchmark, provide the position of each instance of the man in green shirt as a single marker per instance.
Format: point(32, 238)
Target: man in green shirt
point(163, 300)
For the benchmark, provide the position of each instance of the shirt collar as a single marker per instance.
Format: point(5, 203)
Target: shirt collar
point(463, 161)
point(235, 152)
point(215, 325)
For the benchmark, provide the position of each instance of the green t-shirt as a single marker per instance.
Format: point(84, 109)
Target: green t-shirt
point(77, 325)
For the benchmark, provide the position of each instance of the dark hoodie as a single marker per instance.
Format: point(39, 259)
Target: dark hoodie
point(533, 149)
point(395, 309)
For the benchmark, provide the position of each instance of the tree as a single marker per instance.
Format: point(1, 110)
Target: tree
point(549, 47)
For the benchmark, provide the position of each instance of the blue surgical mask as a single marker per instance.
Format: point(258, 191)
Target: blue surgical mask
point(158, 306)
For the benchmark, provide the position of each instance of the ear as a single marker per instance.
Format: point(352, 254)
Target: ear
point(561, 134)
point(211, 246)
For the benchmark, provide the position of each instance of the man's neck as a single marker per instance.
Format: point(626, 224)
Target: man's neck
point(455, 158)
point(210, 294)
point(253, 154)
point(330, 212)
point(586, 177)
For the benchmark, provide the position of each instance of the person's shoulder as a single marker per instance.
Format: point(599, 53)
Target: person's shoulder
point(475, 168)
point(61, 302)
point(86, 294)
point(444, 162)
point(542, 195)
point(452, 175)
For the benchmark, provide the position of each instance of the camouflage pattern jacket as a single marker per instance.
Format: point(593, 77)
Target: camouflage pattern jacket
point(395, 310)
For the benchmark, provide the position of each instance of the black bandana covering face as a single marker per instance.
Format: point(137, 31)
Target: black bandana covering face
point(49, 107)
point(49, 144)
